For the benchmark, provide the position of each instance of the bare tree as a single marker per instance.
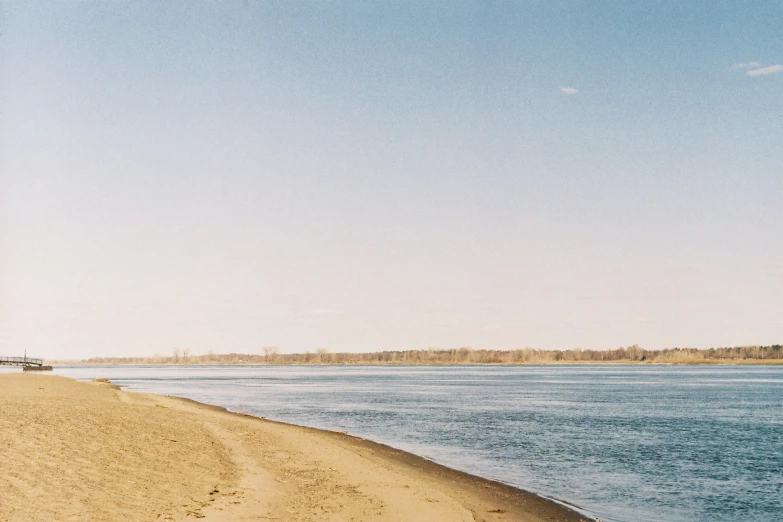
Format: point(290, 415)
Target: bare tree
point(323, 355)
point(634, 352)
point(270, 352)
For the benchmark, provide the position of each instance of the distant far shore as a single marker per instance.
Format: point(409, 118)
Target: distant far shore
point(749, 362)
point(772, 354)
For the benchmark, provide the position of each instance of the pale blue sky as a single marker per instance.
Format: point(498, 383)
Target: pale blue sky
point(365, 176)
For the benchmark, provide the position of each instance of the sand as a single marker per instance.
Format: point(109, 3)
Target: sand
point(89, 451)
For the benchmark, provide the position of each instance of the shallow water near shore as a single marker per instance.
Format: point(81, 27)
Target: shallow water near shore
point(624, 443)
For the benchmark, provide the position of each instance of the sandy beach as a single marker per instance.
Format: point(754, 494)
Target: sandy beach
point(89, 451)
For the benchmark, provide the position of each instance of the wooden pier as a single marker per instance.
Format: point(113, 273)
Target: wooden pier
point(28, 364)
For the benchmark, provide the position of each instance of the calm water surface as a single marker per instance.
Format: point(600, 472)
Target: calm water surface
point(633, 443)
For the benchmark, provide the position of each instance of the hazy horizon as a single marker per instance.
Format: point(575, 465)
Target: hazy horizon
point(365, 177)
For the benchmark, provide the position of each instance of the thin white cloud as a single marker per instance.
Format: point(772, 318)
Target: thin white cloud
point(764, 71)
point(745, 65)
point(569, 90)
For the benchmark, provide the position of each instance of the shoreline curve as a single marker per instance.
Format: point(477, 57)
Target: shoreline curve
point(99, 451)
point(395, 452)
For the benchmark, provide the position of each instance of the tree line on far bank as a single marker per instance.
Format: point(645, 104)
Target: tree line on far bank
point(467, 355)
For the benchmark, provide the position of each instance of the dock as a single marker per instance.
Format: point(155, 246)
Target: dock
point(28, 364)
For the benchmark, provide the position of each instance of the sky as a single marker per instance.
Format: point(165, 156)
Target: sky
point(363, 176)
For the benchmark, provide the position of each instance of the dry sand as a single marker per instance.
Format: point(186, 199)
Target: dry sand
point(89, 451)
